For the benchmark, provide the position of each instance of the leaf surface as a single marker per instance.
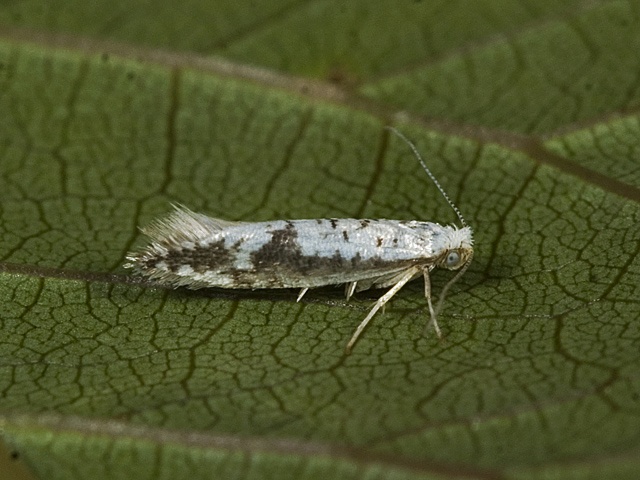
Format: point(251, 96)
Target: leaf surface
point(527, 113)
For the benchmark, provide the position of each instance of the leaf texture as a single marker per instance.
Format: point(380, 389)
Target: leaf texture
point(527, 112)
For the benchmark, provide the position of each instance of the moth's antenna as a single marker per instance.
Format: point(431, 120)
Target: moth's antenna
point(426, 169)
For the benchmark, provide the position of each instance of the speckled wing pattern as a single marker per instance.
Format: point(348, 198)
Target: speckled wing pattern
point(193, 250)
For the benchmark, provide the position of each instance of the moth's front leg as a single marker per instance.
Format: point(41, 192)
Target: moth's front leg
point(408, 275)
point(427, 294)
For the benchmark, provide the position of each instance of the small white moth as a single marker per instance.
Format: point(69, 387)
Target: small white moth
point(195, 251)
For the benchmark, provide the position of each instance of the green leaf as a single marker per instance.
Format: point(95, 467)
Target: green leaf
point(527, 112)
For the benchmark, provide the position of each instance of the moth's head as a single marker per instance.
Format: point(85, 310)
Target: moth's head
point(458, 251)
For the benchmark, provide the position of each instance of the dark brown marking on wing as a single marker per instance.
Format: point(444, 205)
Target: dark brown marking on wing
point(345, 235)
point(214, 256)
point(283, 246)
point(281, 258)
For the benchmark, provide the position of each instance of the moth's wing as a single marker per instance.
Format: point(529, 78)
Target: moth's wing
point(212, 223)
point(183, 225)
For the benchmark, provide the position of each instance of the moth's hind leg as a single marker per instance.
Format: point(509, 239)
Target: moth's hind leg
point(349, 288)
point(408, 275)
point(301, 294)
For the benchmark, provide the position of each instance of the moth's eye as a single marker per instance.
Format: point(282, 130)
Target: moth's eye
point(453, 259)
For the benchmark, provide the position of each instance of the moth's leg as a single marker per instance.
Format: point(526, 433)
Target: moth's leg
point(349, 289)
point(381, 301)
point(427, 294)
point(301, 294)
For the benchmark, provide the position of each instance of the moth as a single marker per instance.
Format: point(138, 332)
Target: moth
point(192, 250)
